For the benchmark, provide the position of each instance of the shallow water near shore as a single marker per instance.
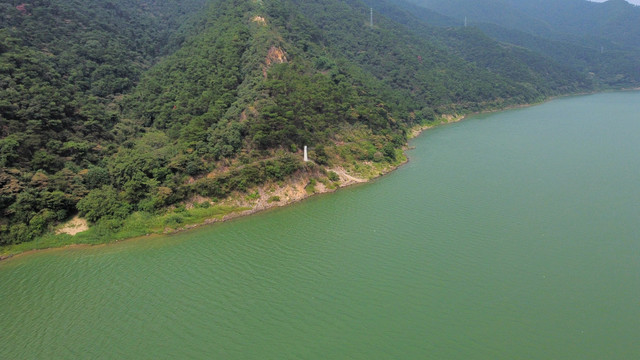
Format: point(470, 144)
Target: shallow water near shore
point(513, 235)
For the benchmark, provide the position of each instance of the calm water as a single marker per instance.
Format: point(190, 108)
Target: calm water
point(508, 236)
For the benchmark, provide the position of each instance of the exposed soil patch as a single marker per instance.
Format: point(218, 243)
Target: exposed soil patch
point(259, 20)
point(74, 226)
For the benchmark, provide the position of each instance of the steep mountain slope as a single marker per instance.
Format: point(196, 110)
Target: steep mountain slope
point(425, 58)
point(243, 85)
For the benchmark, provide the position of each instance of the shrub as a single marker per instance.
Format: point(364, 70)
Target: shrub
point(253, 196)
point(174, 220)
point(103, 203)
point(273, 199)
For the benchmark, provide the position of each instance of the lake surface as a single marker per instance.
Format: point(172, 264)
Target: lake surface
point(513, 235)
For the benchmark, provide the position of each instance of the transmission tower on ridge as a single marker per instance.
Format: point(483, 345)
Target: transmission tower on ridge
point(371, 18)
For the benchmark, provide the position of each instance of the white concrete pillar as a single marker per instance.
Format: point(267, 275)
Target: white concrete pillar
point(306, 158)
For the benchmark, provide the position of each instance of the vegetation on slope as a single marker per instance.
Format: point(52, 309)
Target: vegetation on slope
point(234, 95)
point(63, 65)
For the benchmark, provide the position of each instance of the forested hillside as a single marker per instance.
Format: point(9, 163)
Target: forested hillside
point(113, 108)
point(529, 68)
point(601, 40)
point(63, 66)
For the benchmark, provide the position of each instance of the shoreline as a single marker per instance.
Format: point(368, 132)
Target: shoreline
point(295, 183)
point(298, 184)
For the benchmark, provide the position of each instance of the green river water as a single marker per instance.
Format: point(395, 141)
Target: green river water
point(513, 235)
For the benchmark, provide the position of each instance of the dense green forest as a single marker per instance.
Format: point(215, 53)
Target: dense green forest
point(63, 67)
point(120, 107)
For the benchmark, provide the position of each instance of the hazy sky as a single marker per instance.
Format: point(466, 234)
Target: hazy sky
point(635, 2)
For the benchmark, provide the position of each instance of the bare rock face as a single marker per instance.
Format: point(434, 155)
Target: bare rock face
point(259, 20)
point(276, 56)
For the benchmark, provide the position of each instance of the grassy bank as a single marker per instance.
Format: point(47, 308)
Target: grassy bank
point(136, 225)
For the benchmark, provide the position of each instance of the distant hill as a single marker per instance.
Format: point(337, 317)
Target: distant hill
point(599, 39)
point(613, 21)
